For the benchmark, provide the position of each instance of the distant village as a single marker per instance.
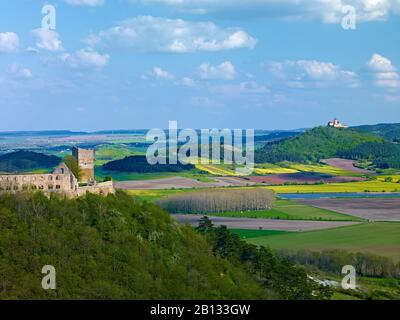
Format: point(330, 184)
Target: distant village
point(62, 180)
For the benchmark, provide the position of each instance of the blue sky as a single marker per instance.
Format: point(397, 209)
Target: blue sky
point(264, 64)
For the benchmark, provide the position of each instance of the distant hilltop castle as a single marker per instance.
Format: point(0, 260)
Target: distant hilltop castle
point(62, 180)
point(335, 123)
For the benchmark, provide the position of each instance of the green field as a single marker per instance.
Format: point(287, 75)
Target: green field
point(248, 234)
point(291, 210)
point(152, 195)
point(106, 153)
point(132, 176)
point(381, 238)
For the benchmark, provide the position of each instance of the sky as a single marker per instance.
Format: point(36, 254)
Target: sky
point(263, 64)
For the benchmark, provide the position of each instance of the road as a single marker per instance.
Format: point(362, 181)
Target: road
point(264, 224)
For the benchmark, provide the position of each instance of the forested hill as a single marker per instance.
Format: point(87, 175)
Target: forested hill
point(314, 145)
point(389, 131)
point(117, 248)
point(21, 161)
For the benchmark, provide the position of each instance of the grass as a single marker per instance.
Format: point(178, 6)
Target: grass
point(342, 297)
point(152, 195)
point(249, 234)
point(381, 238)
point(106, 153)
point(362, 186)
point(291, 210)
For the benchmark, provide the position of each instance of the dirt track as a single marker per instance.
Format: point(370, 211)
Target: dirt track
point(264, 224)
point(387, 209)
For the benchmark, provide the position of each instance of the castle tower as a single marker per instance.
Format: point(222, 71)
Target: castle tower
point(85, 159)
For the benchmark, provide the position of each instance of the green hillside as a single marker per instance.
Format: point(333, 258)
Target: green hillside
point(314, 145)
point(383, 155)
point(389, 131)
point(21, 161)
point(116, 248)
point(139, 164)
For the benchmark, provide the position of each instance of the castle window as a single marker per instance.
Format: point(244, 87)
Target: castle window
point(58, 187)
point(16, 188)
point(41, 187)
point(50, 187)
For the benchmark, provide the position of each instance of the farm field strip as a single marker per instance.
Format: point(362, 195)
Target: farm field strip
point(326, 169)
point(381, 238)
point(264, 224)
point(362, 186)
point(293, 212)
point(367, 208)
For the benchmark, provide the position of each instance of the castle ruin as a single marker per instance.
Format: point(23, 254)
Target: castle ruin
point(335, 123)
point(61, 181)
point(85, 160)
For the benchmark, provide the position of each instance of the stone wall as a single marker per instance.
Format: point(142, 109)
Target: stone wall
point(103, 189)
point(61, 183)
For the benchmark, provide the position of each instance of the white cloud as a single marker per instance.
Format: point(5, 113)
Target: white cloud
point(161, 74)
point(226, 70)
point(304, 73)
point(48, 40)
point(9, 42)
point(384, 72)
point(329, 11)
point(187, 82)
point(147, 33)
point(85, 58)
point(18, 71)
point(89, 3)
point(248, 88)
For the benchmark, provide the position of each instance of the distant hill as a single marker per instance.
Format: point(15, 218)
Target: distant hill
point(389, 131)
point(139, 164)
point(314, 145)
point(275, 136)
point(42, 133)
point(21, 161)
point(382, 154)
